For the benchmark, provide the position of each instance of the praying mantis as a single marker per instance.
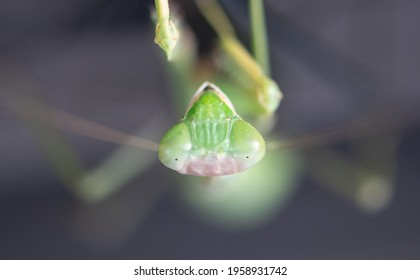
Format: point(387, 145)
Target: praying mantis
point(212, 139)
point(242, 199)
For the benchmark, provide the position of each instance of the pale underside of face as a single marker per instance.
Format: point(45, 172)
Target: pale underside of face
point(212, 164)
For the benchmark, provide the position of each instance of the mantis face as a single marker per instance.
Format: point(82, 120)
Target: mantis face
point(212, 139)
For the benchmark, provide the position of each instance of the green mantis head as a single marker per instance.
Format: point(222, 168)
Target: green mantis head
point(211, 139)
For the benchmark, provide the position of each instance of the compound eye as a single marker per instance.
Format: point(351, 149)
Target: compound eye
point(175, 146)
point(247, 144)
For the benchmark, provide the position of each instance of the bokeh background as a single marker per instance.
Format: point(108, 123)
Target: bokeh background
point(336, 62)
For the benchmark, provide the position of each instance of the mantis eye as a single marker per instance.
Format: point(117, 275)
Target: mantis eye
point(175, 146)
point(247, 144)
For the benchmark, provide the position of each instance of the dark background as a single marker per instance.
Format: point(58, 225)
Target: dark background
point(335, 61)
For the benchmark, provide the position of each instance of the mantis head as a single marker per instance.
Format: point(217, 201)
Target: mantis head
point(211, 140)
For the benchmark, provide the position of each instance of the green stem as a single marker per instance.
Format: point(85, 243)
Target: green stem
point(162, 9)
point(166, 34)
point(259, 35)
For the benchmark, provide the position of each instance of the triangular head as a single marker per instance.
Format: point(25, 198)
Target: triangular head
point(211, 139)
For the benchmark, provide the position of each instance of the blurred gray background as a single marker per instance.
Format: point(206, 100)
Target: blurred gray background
point(336, 61)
